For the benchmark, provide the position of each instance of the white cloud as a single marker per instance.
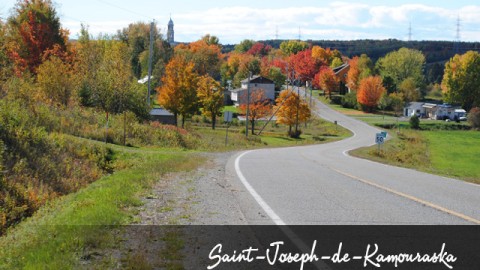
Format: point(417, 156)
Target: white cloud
point(337, 20)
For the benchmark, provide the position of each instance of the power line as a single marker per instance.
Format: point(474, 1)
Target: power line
point(126, 10)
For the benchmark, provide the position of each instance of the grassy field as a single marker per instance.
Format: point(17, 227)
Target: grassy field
point(58, 235)
point(455, 153)
point(316, 131)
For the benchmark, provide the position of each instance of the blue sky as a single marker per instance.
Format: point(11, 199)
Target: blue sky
point(233, 21)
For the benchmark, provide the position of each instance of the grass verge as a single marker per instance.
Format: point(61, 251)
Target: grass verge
point(447, 153)
point(59, 234)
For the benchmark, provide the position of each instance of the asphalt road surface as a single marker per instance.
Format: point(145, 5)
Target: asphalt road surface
point(322, 184)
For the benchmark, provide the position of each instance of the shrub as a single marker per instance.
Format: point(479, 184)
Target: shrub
point(350, 100)
point(414, 122)
point(474, 117)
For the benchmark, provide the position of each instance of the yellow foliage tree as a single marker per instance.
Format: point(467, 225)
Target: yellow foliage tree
point(210, 95)
point(290, 106)
point(178, 92)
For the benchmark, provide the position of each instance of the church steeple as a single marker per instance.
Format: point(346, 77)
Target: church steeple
point(170, 32)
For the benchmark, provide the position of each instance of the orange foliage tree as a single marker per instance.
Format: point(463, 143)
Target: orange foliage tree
point(290, 105)
point(326, 80)
point(178, 91)
point(210, 96)
point(259, 107)
point(370, 91)
point(360, 68)
point(205, 55)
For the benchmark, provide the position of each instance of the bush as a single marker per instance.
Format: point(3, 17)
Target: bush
point(337, 99)
point(474, 117)
point(414, 122)
point(350, 101)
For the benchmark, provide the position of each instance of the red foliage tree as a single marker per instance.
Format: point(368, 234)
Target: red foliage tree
point(370, 91)
point(258, 108)
point(37, 29)
point(259, 49)
point(304, 64)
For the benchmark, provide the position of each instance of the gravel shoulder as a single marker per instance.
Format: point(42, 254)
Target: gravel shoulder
point(203, 196)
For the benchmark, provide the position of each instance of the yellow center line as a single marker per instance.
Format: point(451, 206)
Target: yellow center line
point(410, 197)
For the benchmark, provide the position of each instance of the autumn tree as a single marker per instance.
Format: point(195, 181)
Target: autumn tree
point(259, 107)
point(35, 28)
point(402, 64)
point(370, 91)
point(259, 49)
point(210, 96)
point(205, 56)
point(178, 91)
point(291, 110)
point(55, 81)
point(304, 65)
point(326, 80)
point(360, 68)
point(409, 90)
point(293, 47)
point(461, 81)
point(244, 46)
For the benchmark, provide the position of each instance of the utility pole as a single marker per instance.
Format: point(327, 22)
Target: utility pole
point(248, 103)
point(457, 37)
point(150, 60)
point(298, 109)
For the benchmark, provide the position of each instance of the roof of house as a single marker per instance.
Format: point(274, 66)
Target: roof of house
point(340, 68)
point(160, 112)
point(258, 79)
point(237, 90)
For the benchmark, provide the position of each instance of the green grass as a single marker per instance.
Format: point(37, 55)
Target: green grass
point(455, 153)
point(317, 131)
point(231, 109)
point(439, 147)
point(57, 236)
point(447, 153)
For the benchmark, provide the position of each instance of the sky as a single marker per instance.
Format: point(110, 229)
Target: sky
point(234, 21)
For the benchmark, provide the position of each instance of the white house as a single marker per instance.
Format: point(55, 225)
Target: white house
point(239, 96)
point(434, 111)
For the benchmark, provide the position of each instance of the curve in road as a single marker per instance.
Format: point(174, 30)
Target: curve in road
point(322, 184)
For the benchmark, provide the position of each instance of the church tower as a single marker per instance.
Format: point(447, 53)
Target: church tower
point(170, 33)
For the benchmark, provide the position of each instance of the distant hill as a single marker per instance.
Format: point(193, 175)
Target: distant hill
point(435, 51)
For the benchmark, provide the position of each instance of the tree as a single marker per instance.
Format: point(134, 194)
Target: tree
point(55, 81)
point(402, 64)
point(275, 74)
point(290, 106)
point(244, 46)
point(258, 107)
point(304, 65)
point(293, 47)
point(370, 91)
point(178, 92)
point(259, 49)
point(360, 68)
point(474, 117)
point(36, 29)
point(414, 122)
point(210, 96)
point(327, 80)
point(461, 81)
point(409, 91)
point(205, 56)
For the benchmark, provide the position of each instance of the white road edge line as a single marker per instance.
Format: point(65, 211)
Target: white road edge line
point(273, 216)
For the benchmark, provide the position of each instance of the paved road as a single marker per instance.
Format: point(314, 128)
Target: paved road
point(322, 184)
